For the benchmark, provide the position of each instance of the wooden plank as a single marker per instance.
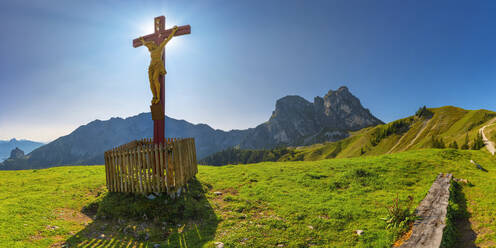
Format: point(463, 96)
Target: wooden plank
point(140, 168)
point(131, 169)
point(168, 168)
point(113, 172)
point(145, 167)
point(175, 165)
point(149, 165)
point(190, 156)
point(136, 169)
point(187, 159)
point(124, 170)
point(156, 164)
point(128, 171)
point(428, 228)
point(192, 147)
point(195, 162)
point(107, 159)
point(161, 168)
point(118, 169)
point(180, 168)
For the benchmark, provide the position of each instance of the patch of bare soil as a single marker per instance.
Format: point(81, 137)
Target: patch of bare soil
point(72, 215)
point(404, 237)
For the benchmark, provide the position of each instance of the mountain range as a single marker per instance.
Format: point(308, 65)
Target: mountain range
point(6, 146)
point(295, 121)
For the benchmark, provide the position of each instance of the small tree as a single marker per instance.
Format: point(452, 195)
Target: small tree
point(423, 112)
point(437, 143)
point(478, 142)
point(453, 145)
point(465, 143)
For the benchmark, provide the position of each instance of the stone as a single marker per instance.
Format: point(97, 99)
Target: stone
point(52, 227)
point(461, 180)
point(219, 244)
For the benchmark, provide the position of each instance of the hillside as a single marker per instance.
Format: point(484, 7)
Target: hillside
point(449, 124)
point(282, 204)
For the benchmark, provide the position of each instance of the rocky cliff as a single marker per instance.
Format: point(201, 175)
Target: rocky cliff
point(296, 121)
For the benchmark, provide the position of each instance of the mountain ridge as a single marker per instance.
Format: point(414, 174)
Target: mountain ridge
point(295, 121)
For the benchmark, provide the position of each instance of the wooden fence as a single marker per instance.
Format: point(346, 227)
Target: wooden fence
point(142, 166)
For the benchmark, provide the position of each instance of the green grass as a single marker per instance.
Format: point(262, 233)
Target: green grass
point(490, 132)
point(294, 204)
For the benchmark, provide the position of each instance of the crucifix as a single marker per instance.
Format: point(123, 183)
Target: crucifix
point(156, 71)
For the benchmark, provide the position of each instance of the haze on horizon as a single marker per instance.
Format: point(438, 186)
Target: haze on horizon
point(65, 64)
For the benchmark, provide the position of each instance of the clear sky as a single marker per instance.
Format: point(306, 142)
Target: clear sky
point(66, 63)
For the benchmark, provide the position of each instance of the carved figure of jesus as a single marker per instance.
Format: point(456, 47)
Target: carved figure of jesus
point(156, 68)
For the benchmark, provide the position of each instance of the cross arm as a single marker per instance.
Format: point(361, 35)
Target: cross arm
point(181, 30)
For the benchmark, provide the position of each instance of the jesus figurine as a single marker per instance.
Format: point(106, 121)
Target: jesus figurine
point(156, 68)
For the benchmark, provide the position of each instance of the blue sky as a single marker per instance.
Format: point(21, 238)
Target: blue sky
point(66, 63)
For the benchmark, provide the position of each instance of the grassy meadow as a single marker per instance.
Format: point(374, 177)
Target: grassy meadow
point(272, 204)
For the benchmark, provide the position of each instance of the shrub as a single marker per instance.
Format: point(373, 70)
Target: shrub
point(400, 214)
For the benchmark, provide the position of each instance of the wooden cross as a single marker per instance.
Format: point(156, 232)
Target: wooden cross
point(158, 36)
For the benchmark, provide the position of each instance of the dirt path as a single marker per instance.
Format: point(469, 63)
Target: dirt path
point(418, 134)
point(489, 144)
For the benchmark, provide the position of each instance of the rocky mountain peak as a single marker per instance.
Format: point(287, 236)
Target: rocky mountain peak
point(16, 153)
point(296, 121)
